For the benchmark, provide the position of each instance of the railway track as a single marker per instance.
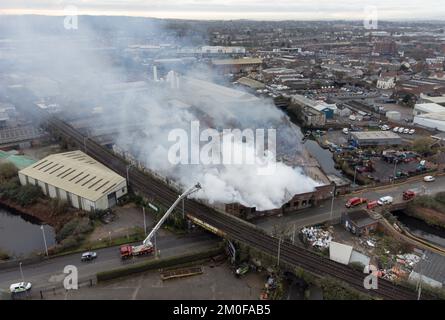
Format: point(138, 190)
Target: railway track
point(234, 228)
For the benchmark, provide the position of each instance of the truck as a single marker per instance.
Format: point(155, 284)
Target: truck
point(128, 251)
point(353, 202)
point(411, 194)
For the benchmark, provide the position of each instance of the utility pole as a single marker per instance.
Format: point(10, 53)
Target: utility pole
point(183, 213)
point(395, 171)
point(21, 272)
point(355, 175)
point(332, 205)
point(128, 176)
point(293, 233)
point(279, 251)
point(145, 223)
point(44, 240)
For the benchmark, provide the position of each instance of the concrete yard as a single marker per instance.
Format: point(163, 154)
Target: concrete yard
point(215, 283)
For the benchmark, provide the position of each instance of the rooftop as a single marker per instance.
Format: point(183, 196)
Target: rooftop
point(432, 267)
point(361, 218)
point(237, 61)
point(375, 135)
point(76, 173)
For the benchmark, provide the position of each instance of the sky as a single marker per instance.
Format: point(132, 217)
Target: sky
point(235, 9)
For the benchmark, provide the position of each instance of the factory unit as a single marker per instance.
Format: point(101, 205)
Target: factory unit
point(77, 178)
point(375, 138)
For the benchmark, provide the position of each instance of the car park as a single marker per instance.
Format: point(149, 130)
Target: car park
point(88, 256)
point(429, 179)
point(385, 200)
point(20, 287)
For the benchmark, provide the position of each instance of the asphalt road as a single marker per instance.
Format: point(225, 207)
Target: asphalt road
point(49, 273)
point(321, 214)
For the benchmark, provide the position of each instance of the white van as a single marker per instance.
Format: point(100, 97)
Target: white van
point(385, 200)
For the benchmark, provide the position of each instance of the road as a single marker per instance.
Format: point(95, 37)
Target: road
point(49, 273)
point(321, 213)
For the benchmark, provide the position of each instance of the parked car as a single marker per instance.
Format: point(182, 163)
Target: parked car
point(20, 287)
point(88, 256)
point(353, 202)
point(385, 200)
point(406, 131)
point(242, 269)
point(401, 130)
point(412, 131)
point(396, 129)
point(345, 130)
point(429, 179)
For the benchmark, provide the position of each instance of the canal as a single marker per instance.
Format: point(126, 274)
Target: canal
point(323, 156)
point(21, 236)
point(421, 229)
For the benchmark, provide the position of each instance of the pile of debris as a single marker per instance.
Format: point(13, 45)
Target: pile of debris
point(401, 269)
point(317, 237)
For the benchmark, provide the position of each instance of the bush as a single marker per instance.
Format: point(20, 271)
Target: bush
point(8, 171)
point(58, 206)
point(28, 195)
point(4, 255)
point(76, 229)
point(9, 190)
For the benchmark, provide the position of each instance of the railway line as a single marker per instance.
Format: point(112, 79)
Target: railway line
point(230, 226)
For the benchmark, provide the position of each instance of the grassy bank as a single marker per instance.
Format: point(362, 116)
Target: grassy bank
point(430, 209)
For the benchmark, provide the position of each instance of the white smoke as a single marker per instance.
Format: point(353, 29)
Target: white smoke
point(83, 75)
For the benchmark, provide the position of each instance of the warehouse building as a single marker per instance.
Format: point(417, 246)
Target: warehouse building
point(375, 138)
point(77, 178)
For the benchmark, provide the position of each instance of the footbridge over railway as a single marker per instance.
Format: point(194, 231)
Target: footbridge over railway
point(219, 222)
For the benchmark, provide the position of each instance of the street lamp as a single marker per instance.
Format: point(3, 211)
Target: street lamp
point(44, 240)
point(145, 223)
point(355, 175)
point(21, 272)
point(128, 176)
point(395, 169)
point(332, 204)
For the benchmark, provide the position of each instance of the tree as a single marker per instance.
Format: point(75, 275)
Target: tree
point(423, 145)
point(7, 171)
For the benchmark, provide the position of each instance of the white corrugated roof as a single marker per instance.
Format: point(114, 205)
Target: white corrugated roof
point(76, 173)
point(339, 252)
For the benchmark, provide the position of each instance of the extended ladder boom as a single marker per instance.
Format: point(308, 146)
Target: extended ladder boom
point(189, 191)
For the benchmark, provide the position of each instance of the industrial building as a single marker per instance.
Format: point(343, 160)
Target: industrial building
point(77, 178)
point(431, 270)
point(430, 115)
point(235, 66)
point(375, 138)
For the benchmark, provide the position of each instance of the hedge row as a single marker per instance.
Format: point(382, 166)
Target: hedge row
point(158, 264)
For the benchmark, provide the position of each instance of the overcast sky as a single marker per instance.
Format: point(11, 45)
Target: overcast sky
point(235, 9)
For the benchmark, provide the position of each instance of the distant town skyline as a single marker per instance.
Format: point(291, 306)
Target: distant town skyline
point(231, 9)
